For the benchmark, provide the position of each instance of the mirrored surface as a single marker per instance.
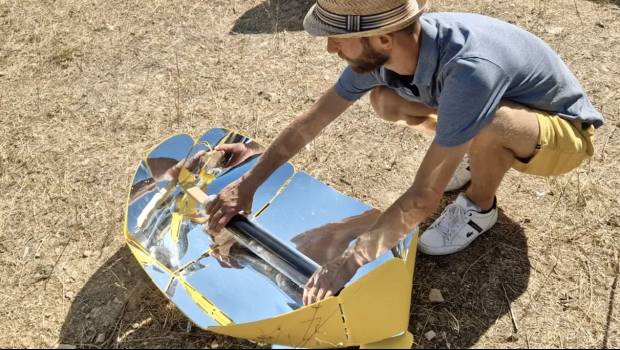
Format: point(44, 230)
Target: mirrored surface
point(188, 306)
point(264, 193)
point(167, 221)
point(213, 137)
point(249, 291)
point(176, 148)
point(303, 217)
point(246, 279)
point(160, 277)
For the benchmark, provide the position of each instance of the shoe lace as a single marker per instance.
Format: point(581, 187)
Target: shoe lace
point(451, 220)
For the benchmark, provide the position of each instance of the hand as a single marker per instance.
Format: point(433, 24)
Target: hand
point(236, 198)
point(330, 278)
point(239, 151)
point(221, 250)
point(172, 174)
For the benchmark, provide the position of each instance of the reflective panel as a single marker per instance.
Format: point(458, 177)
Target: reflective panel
point(166, 221)
point(213, 137)
point(305, 204)
point(264, 193)
point(183, 300)
point(304, 207)
point(248, 289)
point(256, 268)
point(176, 148)
point(160, 277)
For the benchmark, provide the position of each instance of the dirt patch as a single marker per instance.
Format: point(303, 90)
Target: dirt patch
point(87, 88)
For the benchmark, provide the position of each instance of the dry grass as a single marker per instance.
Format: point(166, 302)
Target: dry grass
point(87, 86)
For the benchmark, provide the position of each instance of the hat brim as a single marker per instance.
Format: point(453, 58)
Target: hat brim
point(315, 27)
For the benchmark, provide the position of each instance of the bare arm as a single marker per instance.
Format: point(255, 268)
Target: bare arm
point(296, 135)
point(237, 196)
point(418, 203)
point(415, 205)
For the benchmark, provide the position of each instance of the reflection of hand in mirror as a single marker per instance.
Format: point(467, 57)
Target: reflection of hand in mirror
point(239, 152)
point(325, 243)
point(221, 250)
point(168, 169)
point(163, 169)
point(190, 164)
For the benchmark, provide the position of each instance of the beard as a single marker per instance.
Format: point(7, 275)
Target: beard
point(369, 61)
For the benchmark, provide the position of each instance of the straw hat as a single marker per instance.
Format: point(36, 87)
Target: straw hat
point(358, 18)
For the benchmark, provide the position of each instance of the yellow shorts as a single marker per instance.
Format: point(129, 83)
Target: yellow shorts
point(562, 146)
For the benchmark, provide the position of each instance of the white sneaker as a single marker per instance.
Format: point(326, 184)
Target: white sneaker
point(461, 177)
point(459, 224)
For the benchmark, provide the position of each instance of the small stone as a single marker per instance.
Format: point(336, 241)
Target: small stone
point(100, 338)
point(37, 255)
point(87, 253)
point(435, 297)
point(116, 300)
point(555, 30)
point(214, 345)
point(69, 295)
point(430, 335)
point(27, 249)
point(2, 74)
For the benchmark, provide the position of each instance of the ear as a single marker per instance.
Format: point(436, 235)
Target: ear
point(385, 42)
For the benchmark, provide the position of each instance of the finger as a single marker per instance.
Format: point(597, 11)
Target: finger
point(328, 294)
point(307, 288)
point(320, 294)
point(308, 295)
point(221, 223)
point(213, 220)
point(231, 147)
point(246, 212)
point(214, 206)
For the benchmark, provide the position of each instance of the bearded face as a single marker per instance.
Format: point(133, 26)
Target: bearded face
point(369, 61)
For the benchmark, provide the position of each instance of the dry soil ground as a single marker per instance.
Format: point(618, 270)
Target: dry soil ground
point(87, 86)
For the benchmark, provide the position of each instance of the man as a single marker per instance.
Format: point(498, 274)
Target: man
point(485, 87)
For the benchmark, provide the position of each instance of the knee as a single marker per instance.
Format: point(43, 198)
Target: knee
point(380, 98)
point(492, 132)
point(499, 127)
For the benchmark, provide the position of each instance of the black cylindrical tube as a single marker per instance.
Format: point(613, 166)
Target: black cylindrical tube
point(240, 225)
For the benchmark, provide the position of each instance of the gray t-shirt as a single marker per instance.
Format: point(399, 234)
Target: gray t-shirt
point(468, 63)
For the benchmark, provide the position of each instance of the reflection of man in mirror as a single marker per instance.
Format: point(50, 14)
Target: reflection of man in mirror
point(481, 86)
point(163, 169)
point(168, 168)
point(153, 222)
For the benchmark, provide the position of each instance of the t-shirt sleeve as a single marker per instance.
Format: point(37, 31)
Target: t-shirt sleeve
point(471, 91)
point(351, 85)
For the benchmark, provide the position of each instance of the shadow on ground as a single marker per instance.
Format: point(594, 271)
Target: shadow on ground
point(472, 283)
point(120, 307)
point(273, 16)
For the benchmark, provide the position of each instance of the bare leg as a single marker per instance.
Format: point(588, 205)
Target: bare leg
point(393, 108)
point(513, 133)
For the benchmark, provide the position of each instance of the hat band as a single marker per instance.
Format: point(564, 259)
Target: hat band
point(356, 23)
